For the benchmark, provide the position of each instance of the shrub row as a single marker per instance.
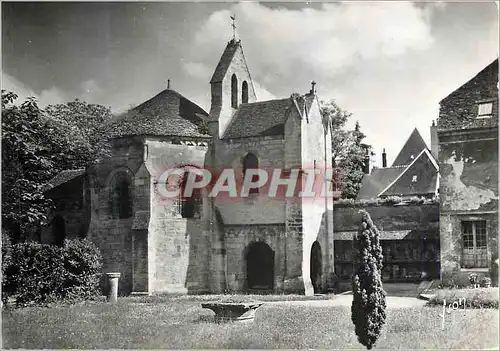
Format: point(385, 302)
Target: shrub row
point(473, 298)
point(39, 273)
point(388, 201)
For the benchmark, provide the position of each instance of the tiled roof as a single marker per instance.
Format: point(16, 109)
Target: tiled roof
point(258, 119)
point(492, 68)
point(417, 179)
point(414, 145)
point(167, 114)
point(225, 61)
point(373, 183)
point(267, 118)
point(63, 177)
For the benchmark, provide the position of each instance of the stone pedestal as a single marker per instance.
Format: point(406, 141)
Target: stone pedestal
point(113, 286)
point(231, 311)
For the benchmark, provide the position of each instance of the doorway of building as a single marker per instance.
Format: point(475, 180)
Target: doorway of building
point(260, 266)
point(316, 267)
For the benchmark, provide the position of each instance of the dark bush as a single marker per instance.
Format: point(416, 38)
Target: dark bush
point(6, 259)
point(40, 273)
point(368, 304)
point(82, 265)
point(35, 273)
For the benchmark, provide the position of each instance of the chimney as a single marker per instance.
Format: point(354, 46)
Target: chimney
point(366, 165)
point(168, 84)
point(384, 159)
point(434, 141)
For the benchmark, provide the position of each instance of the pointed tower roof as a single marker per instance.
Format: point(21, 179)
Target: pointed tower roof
point(412, 148)
point(225, 60)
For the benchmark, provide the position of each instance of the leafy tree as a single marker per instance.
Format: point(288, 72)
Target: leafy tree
point(27, 164)
point(38, 144)
point(348, 150)
point(352, 165)
point(90, 123)
point(368, 305)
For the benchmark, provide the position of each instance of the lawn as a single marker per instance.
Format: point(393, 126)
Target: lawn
point(181, 323)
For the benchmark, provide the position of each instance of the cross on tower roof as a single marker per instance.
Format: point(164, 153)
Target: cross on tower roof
point(233, 24)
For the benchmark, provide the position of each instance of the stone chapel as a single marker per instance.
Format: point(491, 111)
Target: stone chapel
point(203, 244)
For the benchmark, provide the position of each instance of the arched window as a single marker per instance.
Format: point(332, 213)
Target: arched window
point(121, 197)
point(189, 207)
point(250, 161)
point(244, 92)
point(234, 91)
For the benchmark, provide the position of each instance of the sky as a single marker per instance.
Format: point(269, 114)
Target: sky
point(388, 63)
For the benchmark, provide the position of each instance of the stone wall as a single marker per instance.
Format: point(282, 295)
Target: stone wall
point(112, 235)
point(239, 237)
point(468, 192)
point(389, 217)
point(179, 248)
point(293, 209)
point(316, 210)
point(256, 208)
point(246, 220)
point(70, 201)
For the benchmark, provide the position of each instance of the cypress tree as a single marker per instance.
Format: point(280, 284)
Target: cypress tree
point(368, 305)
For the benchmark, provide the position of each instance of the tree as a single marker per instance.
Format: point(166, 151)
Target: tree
point(36, 145)
point(91, 124)
point(27, 164)
point(368, 304)
point(348, 150)
point(352, 165)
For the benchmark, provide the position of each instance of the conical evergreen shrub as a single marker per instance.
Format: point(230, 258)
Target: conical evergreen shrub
point(368, 304)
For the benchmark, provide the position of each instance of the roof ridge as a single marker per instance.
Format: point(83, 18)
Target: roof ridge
point(415, 134)
point(222, 65)
point(393, 167)
point(473, 77)
point(261, 102)
point(424, 151)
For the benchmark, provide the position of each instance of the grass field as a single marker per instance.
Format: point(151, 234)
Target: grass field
point(181, 323)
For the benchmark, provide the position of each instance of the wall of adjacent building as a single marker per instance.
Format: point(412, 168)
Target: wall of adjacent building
point(468, 191)
point(70, 201)
point(468, 158)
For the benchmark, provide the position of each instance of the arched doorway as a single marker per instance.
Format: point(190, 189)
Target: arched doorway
point(58, 230)
point(316, 267)
point(260, 266)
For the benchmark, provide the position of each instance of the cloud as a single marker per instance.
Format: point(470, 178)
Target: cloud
point(352, 50)
point(323, 40)
point(46, 97)
point(197, 70)
point(262, 93)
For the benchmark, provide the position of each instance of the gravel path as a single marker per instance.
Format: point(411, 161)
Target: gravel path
point(346, 300)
